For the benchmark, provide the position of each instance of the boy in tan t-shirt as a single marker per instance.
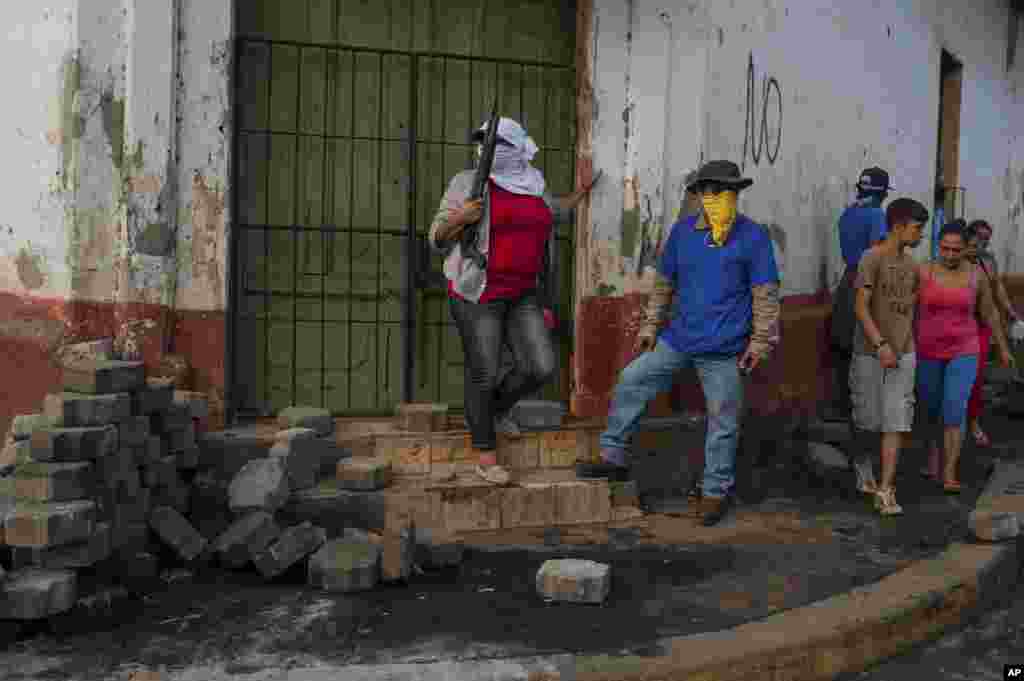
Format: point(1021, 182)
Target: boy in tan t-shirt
point(884, 364)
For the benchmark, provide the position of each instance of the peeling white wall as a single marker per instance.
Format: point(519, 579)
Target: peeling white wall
point(33, 248)
point(858, 86)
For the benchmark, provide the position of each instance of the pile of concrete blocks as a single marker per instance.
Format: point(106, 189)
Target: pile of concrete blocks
point(88, 471)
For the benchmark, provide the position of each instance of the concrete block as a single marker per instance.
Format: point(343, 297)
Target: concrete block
point(364, 474)
point(155, 396)
point(176, 495)
point(466, 509)
point(76, 410)
point(528, 505)
point(292, 434)
point(582, 502)
point(294, 544)
point(152, 451)
point(129, 536)
point(116, 470)
point(408, 454)
point(261, 485)
point(227, 451)
point(46, 482)
point(520, 452)
point(183, 439)
point(64, 445)
point(121, 508)
point(343, 565)
point(994, 526)
point(163, 473)
point(83, 554)
point(198, 403)
point(421, 417)
point(539, 414)
point(246, 538)
point(826, 459)
point(54, 524)
point(173, 418)
point(330, 454)
point(315, 418)
point(101, 377)
point(436, 551)
point(209, 510)
point(24, 425)
point(301, 460)
point(35, 594)
point(177, 533)
point(398, 549)
point(187, 459)
point(574, 581)
point(134, 431)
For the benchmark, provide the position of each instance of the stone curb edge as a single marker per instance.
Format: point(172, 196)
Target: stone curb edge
point(845, 633)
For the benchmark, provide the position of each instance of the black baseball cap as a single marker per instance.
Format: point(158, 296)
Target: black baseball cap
point(874, 180)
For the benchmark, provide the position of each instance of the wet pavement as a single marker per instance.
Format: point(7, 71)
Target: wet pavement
point(220, 625)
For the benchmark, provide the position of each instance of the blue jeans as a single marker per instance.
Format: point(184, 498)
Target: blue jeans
point(944, 387)
point(654, 372)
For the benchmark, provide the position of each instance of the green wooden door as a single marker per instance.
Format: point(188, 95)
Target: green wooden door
point(351, 117)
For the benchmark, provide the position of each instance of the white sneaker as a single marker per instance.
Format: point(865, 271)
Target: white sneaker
point(866, 482)
point(496, 475)
point(885, 502)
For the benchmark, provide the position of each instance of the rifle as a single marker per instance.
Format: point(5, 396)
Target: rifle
point(483, 172)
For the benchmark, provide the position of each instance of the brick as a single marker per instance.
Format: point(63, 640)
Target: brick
point(519, 453)
point(45, 482)
point(453, 449)
point(344, 565)
point(102, 377)
point(435, 550)
point(176, 369)
point(157, 395)
point(528, 505)
point(624, 493)
point(261, 485)
point(163, 473)
point(580, 502)
point(364, 474)
point(173, 418)
point(24, 425)
point(177, 533)
point(228, 451)
point(187, 459)
point(470, 508)
point(35, 594)
point(398, 548)
point(574, 581)
point(994, 526)
point(558, 449)
point(64, 445)
point(409, 455)
point(625, 513)
point(588, 446)
point(76, 410)
point(421, 417)
point(318, 419)
point(300, 459)
point(294, 544)
point(83, 554)
point(133, 431)
point(95, 350)
point(197, 403)
point(180, 440)
point(54, 524)
point(246, 538)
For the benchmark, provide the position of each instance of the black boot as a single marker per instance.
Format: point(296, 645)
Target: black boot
point(603, 469)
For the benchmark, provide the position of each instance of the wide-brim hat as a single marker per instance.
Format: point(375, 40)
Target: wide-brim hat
point(722, 172)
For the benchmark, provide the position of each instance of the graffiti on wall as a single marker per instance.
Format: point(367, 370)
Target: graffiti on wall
point(761, 137)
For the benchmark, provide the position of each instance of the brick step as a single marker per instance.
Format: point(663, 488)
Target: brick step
point(534, 499)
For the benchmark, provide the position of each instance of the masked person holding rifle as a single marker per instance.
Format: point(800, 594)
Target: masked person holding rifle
point(720, 266)
point(497, 248)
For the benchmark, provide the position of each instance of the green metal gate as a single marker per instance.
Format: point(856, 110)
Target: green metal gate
point(351, 118)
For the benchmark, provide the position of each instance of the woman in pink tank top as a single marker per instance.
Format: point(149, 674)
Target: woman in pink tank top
point(951, 301)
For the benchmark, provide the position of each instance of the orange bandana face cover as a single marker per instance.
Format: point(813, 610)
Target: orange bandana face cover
point(720, 212)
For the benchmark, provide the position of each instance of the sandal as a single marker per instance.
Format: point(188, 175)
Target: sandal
point(496, 475)
point(885, 502)
point(952, 487)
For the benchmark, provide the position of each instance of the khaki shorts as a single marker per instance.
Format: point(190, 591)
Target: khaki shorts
point(883, 399)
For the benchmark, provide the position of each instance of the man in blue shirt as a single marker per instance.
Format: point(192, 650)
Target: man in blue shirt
point(720, 266)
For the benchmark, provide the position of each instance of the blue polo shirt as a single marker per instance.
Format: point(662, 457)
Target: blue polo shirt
point(714, 304)
point(860, 226)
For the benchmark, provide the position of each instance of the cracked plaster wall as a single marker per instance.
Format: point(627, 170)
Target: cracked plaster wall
point(856, 86)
